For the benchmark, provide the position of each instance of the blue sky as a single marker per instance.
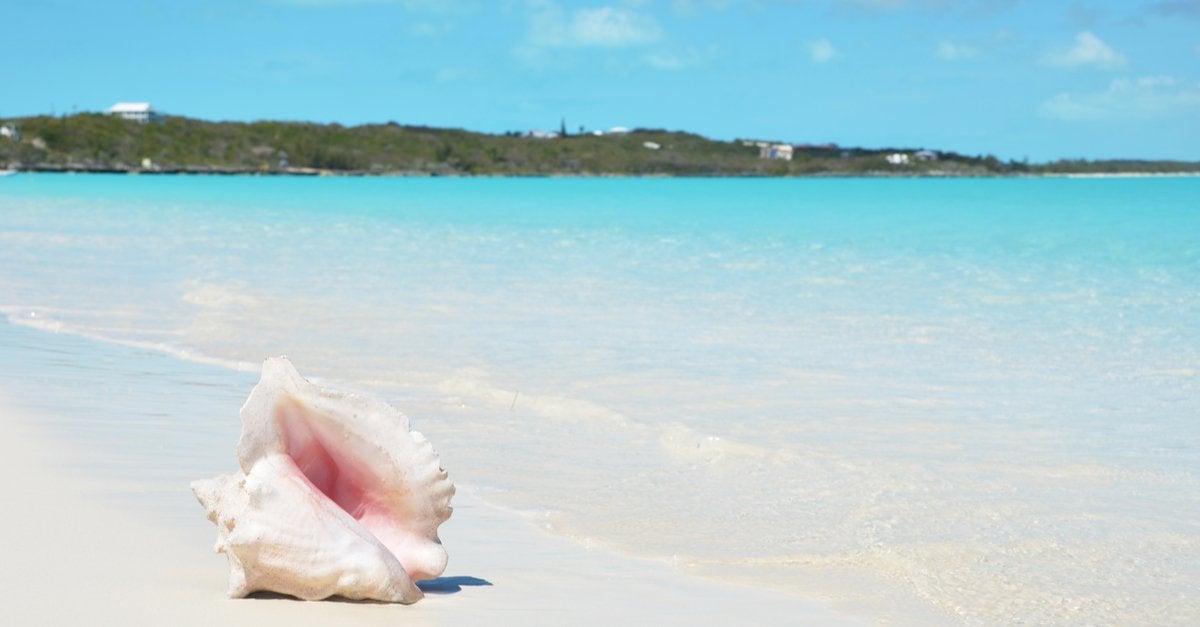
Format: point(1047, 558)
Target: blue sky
point(1014, 78)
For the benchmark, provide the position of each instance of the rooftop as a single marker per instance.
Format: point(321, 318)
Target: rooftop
point(130, 107)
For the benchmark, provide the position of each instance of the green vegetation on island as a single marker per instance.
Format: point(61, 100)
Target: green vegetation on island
point(94, 142)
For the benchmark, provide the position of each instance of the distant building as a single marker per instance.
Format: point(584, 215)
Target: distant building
point(897, 158)
point(10, 131)
point(651, 145)
point(136, 111)
point(768, 150)
point(926, 155)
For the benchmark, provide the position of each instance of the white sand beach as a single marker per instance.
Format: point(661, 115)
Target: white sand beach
point(84, 545)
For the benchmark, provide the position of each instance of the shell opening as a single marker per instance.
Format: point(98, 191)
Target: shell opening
point(319, 452)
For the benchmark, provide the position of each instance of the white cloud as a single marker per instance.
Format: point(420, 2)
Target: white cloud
point(1140, 98)
point(666, 61)
point(822, 51)
point(607, 27)
point(1088, 51)
point(681, 59)
point(1074, 108)
point(951, 51)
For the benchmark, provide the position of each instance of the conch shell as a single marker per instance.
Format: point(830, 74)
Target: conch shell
point(336, 496)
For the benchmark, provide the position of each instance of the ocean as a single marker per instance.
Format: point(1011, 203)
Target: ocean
point(976, 399)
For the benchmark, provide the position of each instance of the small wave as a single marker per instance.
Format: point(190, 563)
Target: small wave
point(473, 384)
point(1142, 578)
point(678, 442)
point(219, 296)
point(681, 443)
point(33, 320)
point(30, 318)
point(1169, 373)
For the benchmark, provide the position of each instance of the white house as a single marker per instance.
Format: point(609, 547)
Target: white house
point(775, 151)
point(136, 111)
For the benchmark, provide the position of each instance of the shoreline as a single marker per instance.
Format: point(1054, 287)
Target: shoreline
point(100, 142)
point(113, 536)
point(315, 172)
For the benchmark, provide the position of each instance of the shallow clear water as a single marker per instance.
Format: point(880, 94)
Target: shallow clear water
point(976, 397)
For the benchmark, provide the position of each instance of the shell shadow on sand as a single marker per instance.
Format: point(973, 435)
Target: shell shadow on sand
point(450, 585)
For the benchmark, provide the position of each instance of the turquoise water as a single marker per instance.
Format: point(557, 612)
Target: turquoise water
point(974, 397)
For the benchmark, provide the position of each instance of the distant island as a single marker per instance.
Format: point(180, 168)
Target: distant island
point(98, 142)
